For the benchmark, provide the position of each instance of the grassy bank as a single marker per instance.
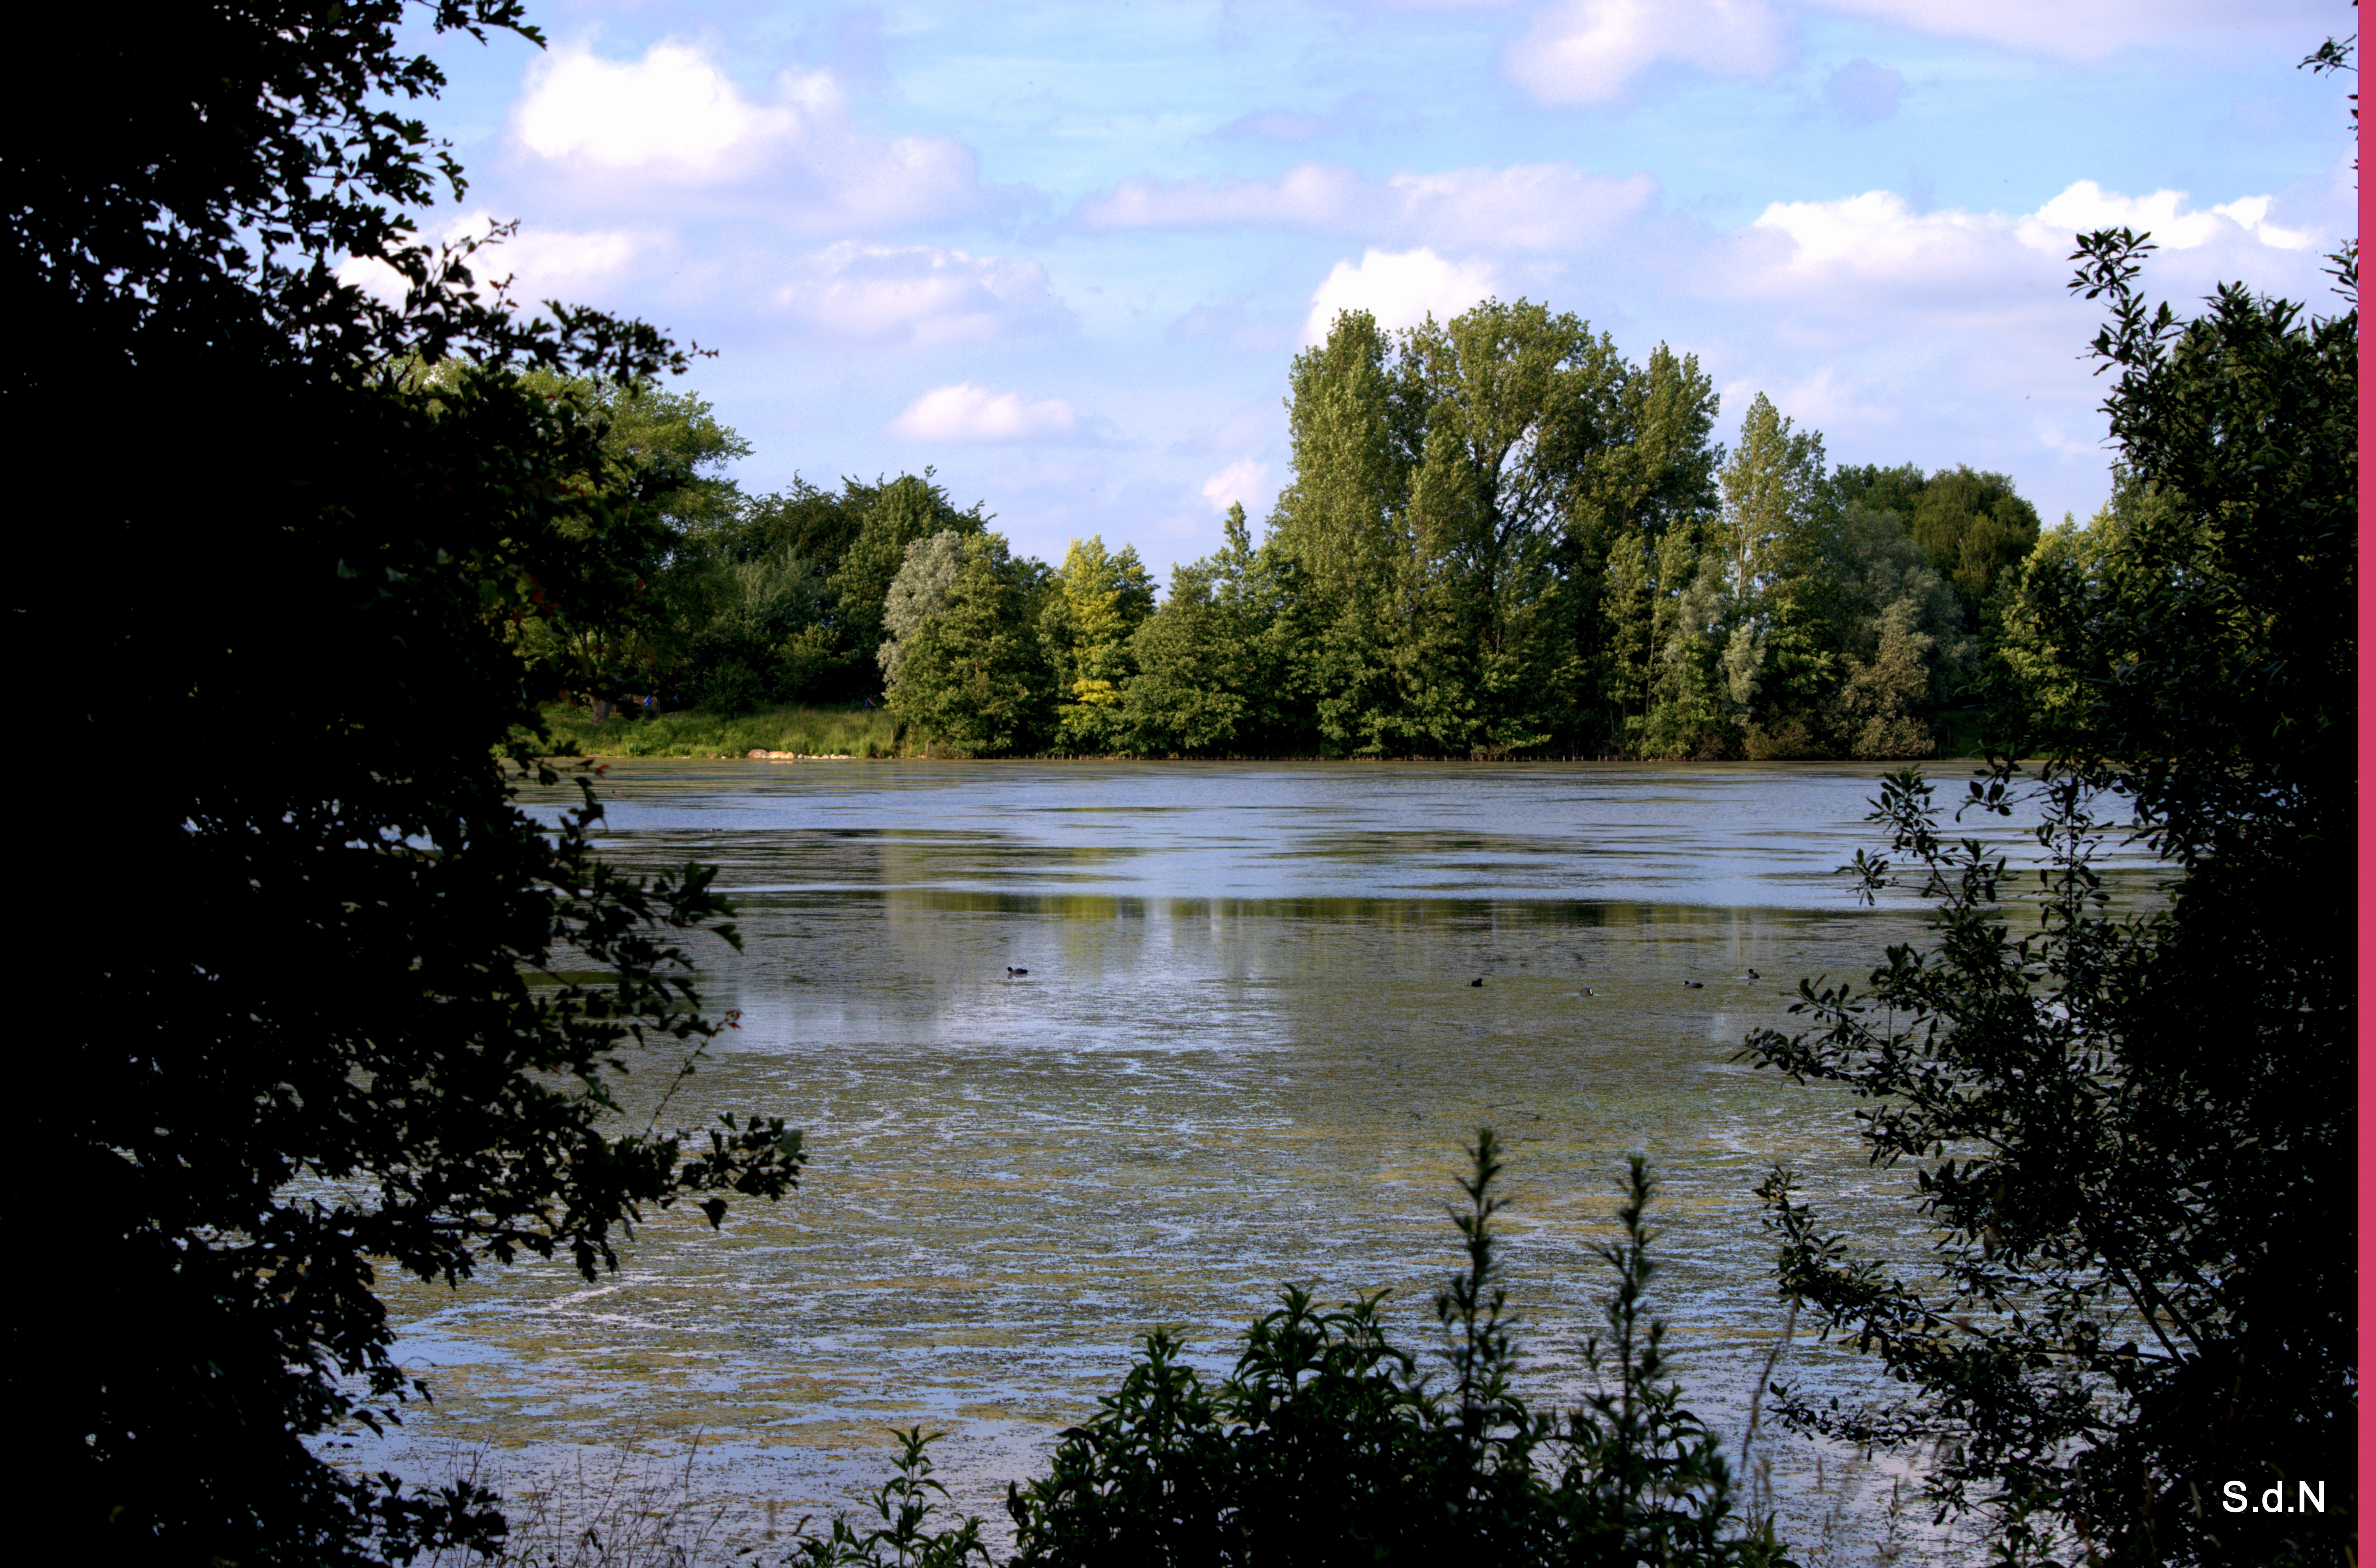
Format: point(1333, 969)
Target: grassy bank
point(825, 730)
point(844, 729)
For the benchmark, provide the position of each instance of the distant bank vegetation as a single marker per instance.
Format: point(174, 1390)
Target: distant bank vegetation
point(849, 730)
point(1501, 539)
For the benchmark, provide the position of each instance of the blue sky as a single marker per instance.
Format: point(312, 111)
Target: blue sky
point(1065, 252)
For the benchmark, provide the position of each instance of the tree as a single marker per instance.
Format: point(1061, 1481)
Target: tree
point(974, 677)
point(1458, 488)
point(1340, 520)
point(2134, 1133)
point(902, 512)
point(338, 1043)
point(920, 593)
point(1900, 643)
point(735, 634)
point(667, 445)
point(1774, 533)
point(1510, 407)
point(1661, 476)
point(1100, 599)
point(699, 623)
point(1971, 525)
point(1686, 713)
point(1218, 661)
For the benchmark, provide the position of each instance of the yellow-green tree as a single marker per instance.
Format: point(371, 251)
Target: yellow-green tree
point(1101, 598)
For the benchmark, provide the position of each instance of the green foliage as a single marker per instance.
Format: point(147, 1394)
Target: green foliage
point(665, 447)
point(1217, 663)
point(1777, 512)
point(973, 678)
point(346, 1048)
point(1502, 539)
point(817, 525)
point(901, 512)
point(847, 730)
point(919, 592)
point(1970, 524)
point(909, 1536)
point(2045, 686)
point(1327, 1445)
point(766, 600)
point(1458, 489)
point(2133, 1134)
point(1684, 709)
point(1100, 599)
point(737, 634)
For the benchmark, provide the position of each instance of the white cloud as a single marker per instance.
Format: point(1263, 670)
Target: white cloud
point(1309, 194)
point(1399, 287)
point(1590, 51)
point(675, 119)
point(966, 413)
point(1538, 206)
point(2086, 205)
point(1245, 481)
point(674, 109)
point(920, 295)
point(1951, 336)
point(1876, 237)
point(374, 277)
point(1971, 262)
point(1527, 207)
point(542, 263)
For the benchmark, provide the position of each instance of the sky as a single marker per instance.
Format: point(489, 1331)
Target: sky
point(1063, 253)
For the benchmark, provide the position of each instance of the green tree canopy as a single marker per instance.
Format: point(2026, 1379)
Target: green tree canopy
point(908, 508)
point(1458, 490)
point(1971, 525)
point(974, 677)
point(1101, 598)
point(1218, 664)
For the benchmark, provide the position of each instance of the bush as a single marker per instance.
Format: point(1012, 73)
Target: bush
point(1328, 1445)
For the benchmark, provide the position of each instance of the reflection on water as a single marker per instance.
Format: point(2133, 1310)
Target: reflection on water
point(1246, 1051)
point(1722, 836)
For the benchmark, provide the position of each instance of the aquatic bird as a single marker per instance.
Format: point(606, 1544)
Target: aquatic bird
point(1587, 991)
point(1479, 981)
point(1012, 970)
point(1694, 985)
point(1754, 975)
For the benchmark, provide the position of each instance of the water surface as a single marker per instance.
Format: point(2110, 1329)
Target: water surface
point(1247, 1051)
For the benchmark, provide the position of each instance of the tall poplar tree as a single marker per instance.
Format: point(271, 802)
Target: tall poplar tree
point(1219, 664)
point(1344, 520)
point(1515, 405)
point(1659, 474)
point(1459, 487)
point(1776, 509)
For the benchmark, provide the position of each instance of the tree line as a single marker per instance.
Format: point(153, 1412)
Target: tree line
point(1502, 539)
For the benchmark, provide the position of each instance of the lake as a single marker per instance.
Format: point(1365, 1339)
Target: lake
point(1248, 1050)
